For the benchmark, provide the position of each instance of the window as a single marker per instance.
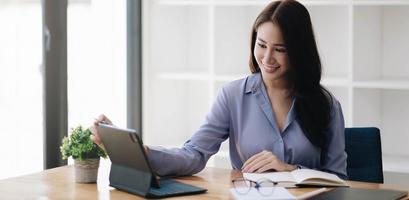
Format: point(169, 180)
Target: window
point(96, 41)
point(21, 89)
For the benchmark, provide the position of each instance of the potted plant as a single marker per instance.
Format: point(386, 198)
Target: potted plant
point(85, 152)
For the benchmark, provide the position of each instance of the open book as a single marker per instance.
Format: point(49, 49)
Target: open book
point(299, 177)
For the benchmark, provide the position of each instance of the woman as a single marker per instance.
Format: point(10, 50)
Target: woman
point(279, 118)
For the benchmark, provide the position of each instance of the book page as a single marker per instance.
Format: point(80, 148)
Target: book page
point(303, 175)
point(273, 176)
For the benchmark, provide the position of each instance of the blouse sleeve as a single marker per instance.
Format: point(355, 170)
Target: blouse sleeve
point(333, 157)
point(193, 156)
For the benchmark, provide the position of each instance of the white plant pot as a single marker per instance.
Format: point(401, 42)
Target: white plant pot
point(86, 171)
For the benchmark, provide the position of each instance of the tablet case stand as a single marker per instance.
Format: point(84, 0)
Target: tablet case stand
point(123, 178)
point(134, 174)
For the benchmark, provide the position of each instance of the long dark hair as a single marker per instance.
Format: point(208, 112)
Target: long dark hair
point(313, 101)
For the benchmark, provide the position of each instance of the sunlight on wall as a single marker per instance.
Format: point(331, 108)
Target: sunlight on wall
point(96, 62)
point(21, 133)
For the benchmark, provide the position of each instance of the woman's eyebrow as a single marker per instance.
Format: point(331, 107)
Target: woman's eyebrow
point(279, 45)
point(261, 40)
point(275, 44)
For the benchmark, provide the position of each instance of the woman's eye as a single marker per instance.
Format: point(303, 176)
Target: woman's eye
point(281, 50)
point(261, 45)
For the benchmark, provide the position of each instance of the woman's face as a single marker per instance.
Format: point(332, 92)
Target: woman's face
point(270, 52)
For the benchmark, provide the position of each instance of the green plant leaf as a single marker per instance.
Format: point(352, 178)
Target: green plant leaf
point(80, 146)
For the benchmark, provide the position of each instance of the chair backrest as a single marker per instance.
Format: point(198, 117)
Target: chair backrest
point(363, 147)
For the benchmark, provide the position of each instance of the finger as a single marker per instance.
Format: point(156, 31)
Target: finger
point(252, 166)
point(108, 120)
point(251, 159)
point(93, 129)
point(257, 165)
point(264, 168)
point(249, 164)
point(96, 122)
point(97, 141)
point(101, 117)
point(275, 164)
point(104, 119)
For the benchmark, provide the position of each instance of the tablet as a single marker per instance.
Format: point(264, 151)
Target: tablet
point(130, 169)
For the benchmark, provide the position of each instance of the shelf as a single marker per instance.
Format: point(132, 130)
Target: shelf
point(368, 108)
point(173, 44)
point(330, 21)
point(175, 111)
point(379, 2)
point(228, 78)
point(387, 110)
point(394, 163)
point(232, 27)
point(337, 82)
point(242, 2)
point(200, 76)
point(383, 84)
point(380, 42)
point(184, 76)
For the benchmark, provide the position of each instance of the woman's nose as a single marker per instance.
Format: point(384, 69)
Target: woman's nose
point(269, 57)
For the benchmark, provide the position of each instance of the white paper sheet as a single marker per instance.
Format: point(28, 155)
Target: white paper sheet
point(279, 193)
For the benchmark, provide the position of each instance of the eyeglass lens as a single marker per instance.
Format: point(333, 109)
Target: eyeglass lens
point(264, 187)
point(242, 186)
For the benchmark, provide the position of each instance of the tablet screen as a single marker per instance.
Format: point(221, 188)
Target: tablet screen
point(124, 147)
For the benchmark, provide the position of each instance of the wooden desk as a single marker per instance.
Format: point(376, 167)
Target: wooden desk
point(58, 183)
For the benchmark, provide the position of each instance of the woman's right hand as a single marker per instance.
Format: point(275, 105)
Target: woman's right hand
point(95, 137)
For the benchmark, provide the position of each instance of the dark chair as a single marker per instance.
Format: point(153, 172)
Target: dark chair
point(363, 147)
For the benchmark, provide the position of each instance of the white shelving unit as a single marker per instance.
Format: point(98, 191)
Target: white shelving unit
point(193, 47)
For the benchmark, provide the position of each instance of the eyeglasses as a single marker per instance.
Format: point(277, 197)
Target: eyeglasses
point(264, 186)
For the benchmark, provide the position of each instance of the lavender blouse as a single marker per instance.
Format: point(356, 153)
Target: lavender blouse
point(242, 112)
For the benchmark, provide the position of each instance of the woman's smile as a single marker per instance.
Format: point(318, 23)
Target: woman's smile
point(270, 68)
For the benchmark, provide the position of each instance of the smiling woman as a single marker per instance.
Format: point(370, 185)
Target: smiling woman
point(278, 118)
point(271, 56)
point(291, 67)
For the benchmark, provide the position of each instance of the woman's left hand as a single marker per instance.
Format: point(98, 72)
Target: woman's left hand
point(264, 161)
